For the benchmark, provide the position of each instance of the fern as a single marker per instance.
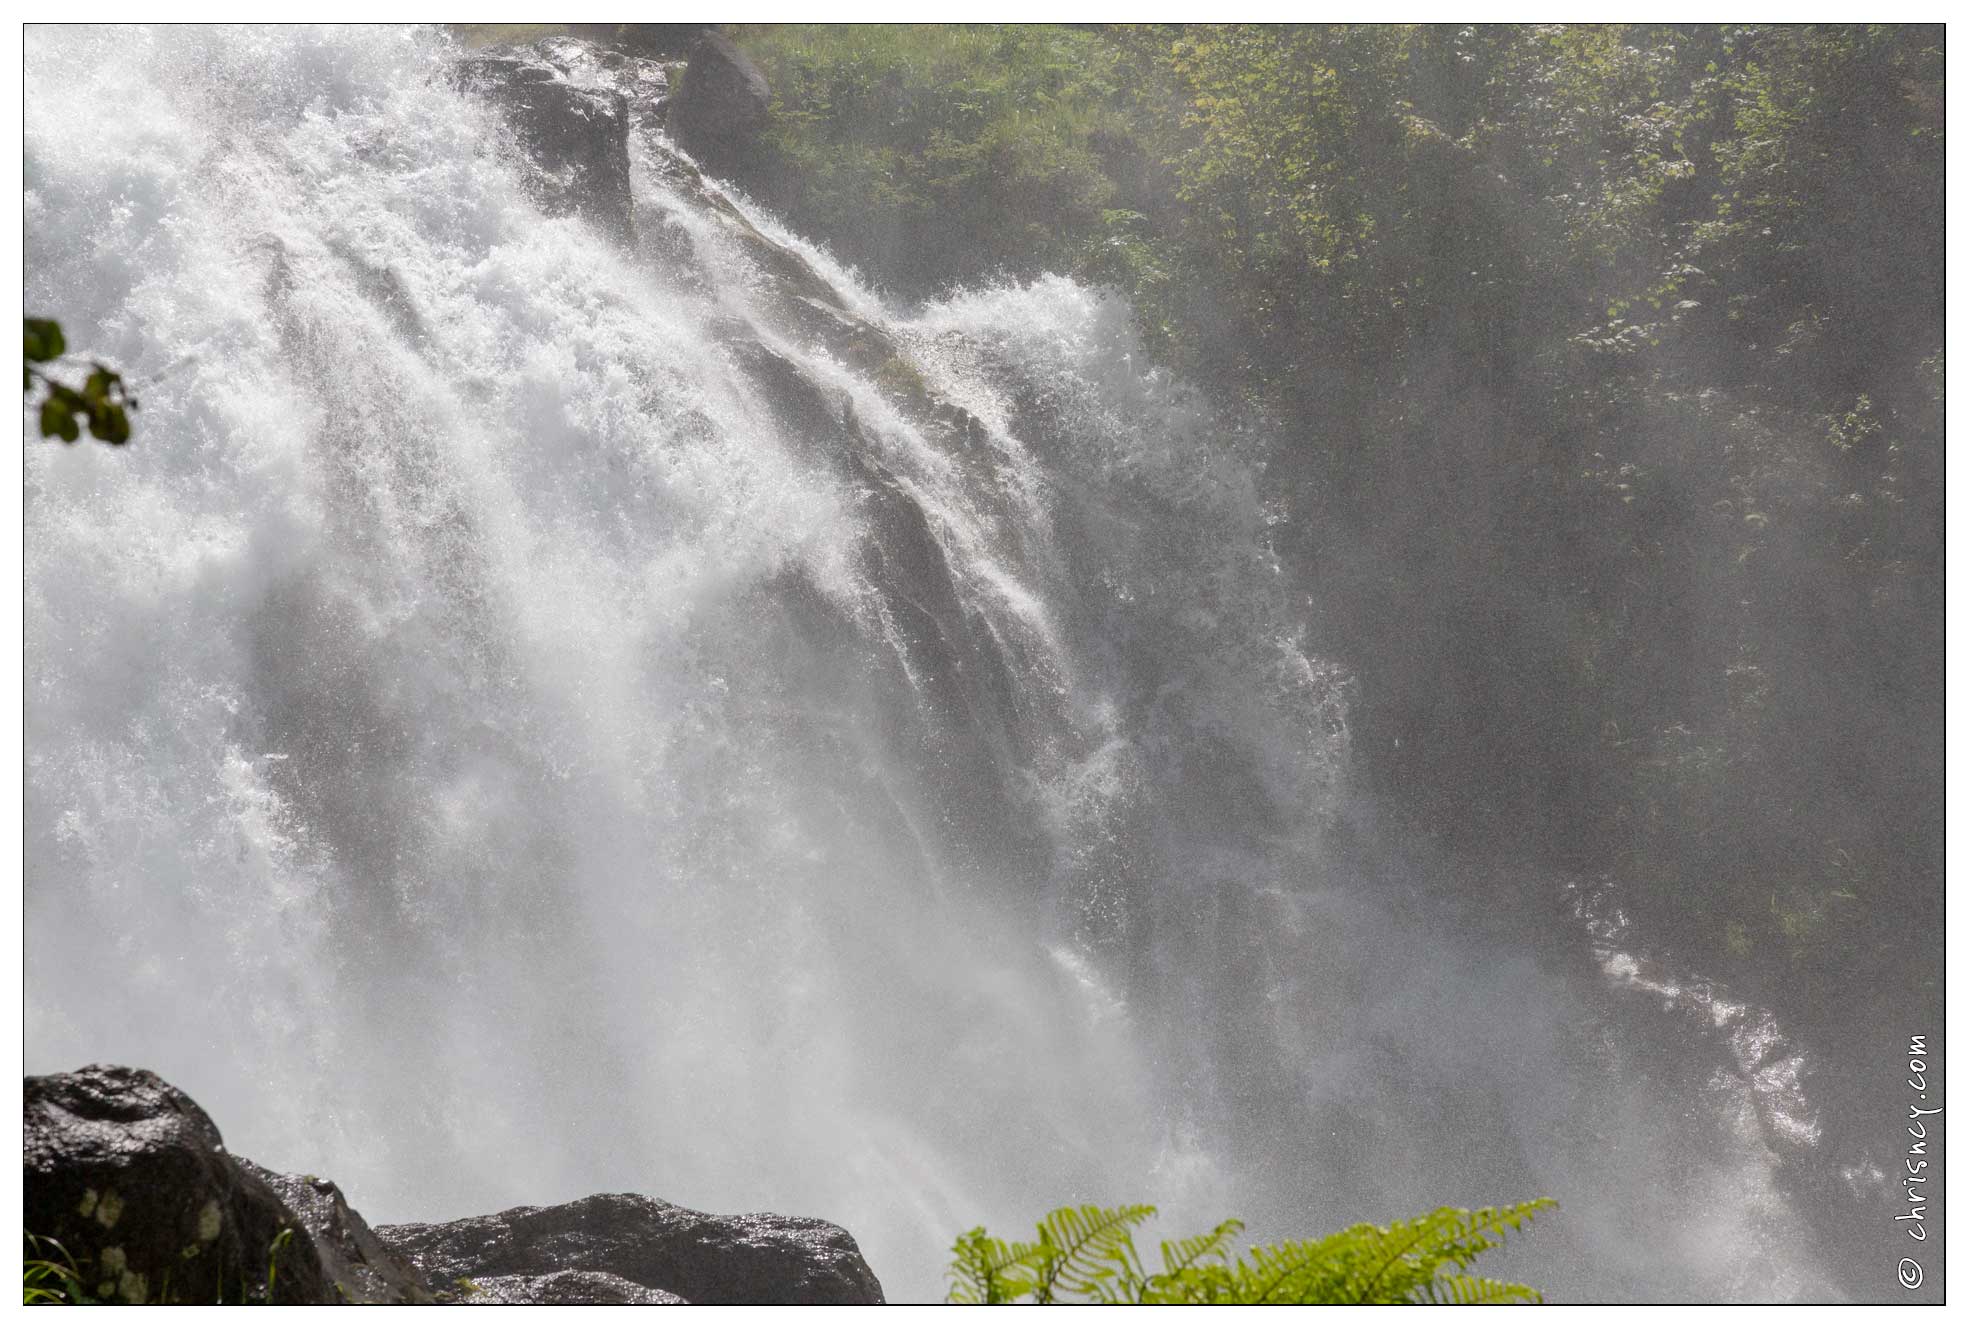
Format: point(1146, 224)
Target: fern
point(1465, 1290)
point(1194, 1270)
point(1088, 1253)
point(988, 1270)
point(1180, 1257)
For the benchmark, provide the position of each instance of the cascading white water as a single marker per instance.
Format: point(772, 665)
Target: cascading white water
point(487, 744)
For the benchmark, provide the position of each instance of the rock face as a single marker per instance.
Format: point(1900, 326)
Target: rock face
point(748, 1259)
point(131, 1177)
point(575, 137)
point(722, 101)
point(358, 1267)
point(576, 1287)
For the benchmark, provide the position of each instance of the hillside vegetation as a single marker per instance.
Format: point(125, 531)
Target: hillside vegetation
point(1606, 364)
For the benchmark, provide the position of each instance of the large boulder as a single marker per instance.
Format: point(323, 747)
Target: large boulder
point(132, 1178)
point(748, 1259)
point(721, 103)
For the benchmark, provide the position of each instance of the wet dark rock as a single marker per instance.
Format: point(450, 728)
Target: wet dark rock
point(384, 288)
point(713, 1259)
point(808, 306)
point(602, 67)
point(573, 1287)
point(358, 1266)
point(132, 1178)
point(575, 136)
point(955, 659)
point(784, 275)
point(722, 102)
point(817, 417)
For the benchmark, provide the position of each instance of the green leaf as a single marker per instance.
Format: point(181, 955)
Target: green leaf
point(44, 339)
point(58, 418)
point(110, 424)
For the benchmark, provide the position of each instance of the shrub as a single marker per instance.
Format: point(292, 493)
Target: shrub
point(1088, 1255)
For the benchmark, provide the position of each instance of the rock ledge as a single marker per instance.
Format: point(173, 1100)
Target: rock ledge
point(132, 1178)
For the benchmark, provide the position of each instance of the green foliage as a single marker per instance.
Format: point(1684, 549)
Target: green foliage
point(1088, 1254)
point(1608, 354)
point(939, 152)
point(101, 403)
point(44, 342)
point(279, 1244)
point(51, 1276)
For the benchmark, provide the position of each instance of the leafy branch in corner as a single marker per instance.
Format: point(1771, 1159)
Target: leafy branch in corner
point(101, 402)
point(1088, 1255)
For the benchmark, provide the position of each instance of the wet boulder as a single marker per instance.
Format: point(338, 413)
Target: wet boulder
point(722, 102)
point(132, 1179)
point(746, 1259)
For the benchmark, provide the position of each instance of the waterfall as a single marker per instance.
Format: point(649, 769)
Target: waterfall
point(539, 709)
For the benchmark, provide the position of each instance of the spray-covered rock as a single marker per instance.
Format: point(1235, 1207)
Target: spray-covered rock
point(571, 1287)
point(744, 1259)
point(129, 1182)
point(575, 137)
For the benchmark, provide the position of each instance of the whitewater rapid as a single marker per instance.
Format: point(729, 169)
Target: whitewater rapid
point(492, 737)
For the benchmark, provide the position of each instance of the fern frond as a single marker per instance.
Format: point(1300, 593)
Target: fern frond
point(1298, 1273)
point(1180, 1255)
point(1369, 1265)
point(1414, 1249)
point(1090, 1252)
point(1469, 1290)
point(1194, 1269)
point(987, 1270)
point(1445, 1237)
